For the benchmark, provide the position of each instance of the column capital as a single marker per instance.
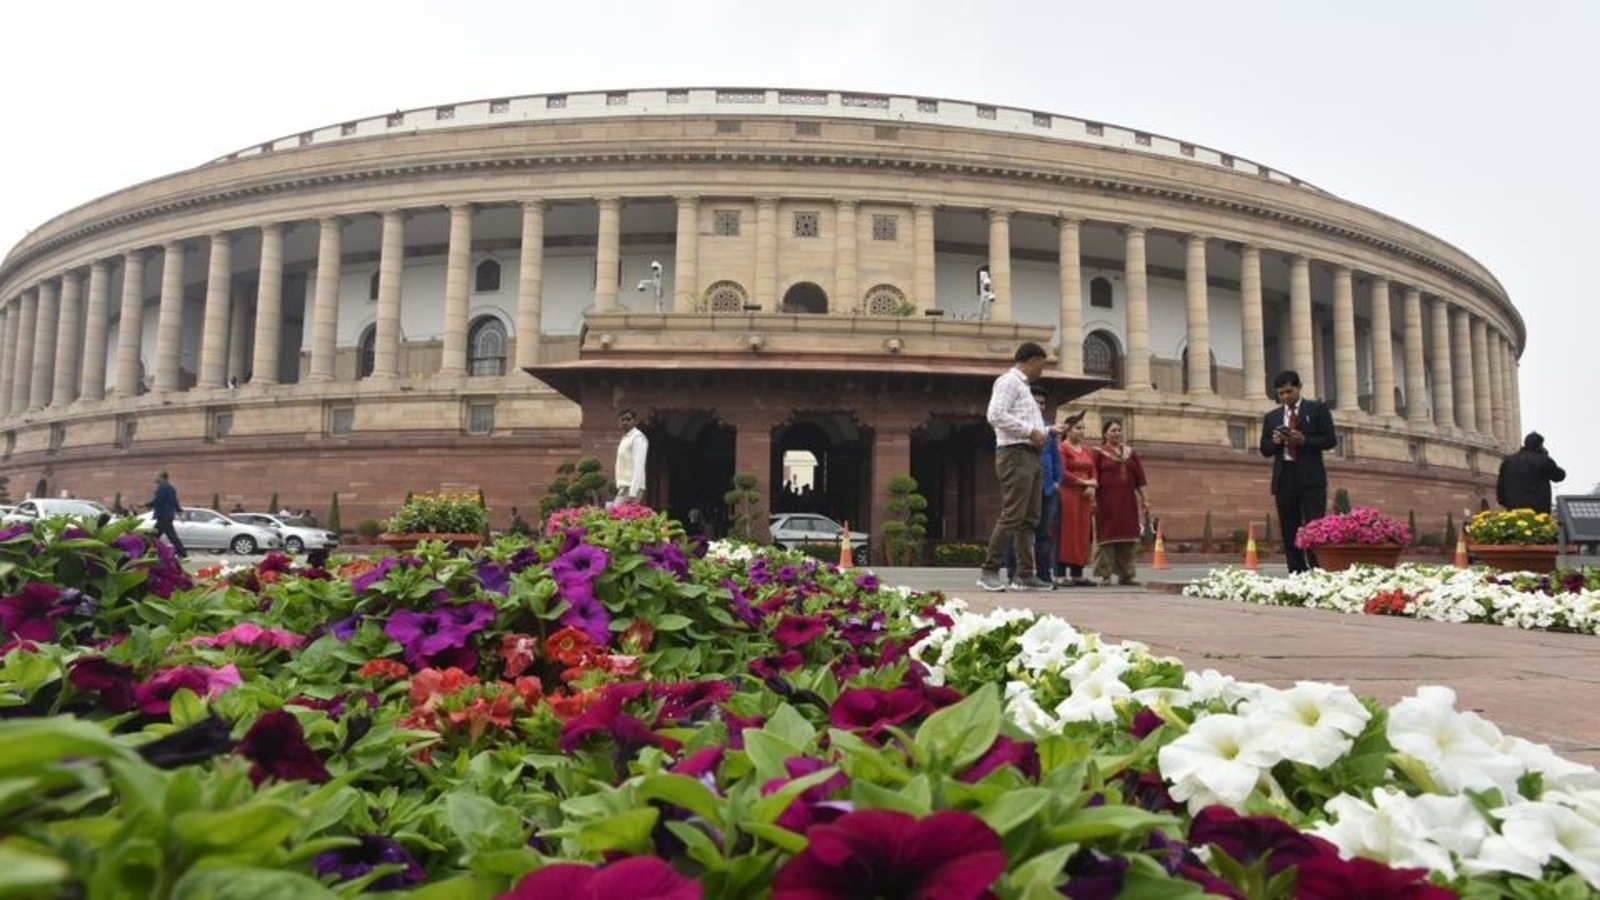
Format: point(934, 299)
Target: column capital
point(685, 199)
point(1195, 236)
point(334, 221)
point(404, 213)
point(846, 203)
point(532, 203)
point(763, 202)
point(461, 208)
point(1063, 220)
point(999, 213)
point(1132, 230)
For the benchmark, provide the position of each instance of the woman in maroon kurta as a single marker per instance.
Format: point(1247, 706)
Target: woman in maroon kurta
point(1119, 503)
point(1077, 491)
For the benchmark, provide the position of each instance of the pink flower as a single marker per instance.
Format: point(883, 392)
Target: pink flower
point(1362, 525)
point(155, 695)
point(952, 855)
point(639, 878)
point(250, 634)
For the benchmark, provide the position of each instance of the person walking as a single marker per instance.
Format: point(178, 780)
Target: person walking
point(1526, 475)
point(632, 452)
point(1295, 434)
point(1075, 531)
point(1119, 504)
point(164, 508)
point(1019, 433)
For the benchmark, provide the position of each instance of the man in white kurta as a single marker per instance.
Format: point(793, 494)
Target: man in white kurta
point(631, 454)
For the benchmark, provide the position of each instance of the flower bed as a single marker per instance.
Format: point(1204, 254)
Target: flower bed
point(1563, 601)
point(601, 712)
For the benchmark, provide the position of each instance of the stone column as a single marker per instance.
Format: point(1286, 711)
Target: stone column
point(130, 325)
point(169, 317)
point(767, 253)
point(1138, 280)
point(1416, 376)
point(530, 285)
point(325, 320)
point(607, 254)
point(686, 256)
point(1344, 341)
point(97, 325)
point(1382, 348)
point(458, 272)
point(1000, 263)
point(1302, 327)
point(924, 283)
point(269, 307)
point(219, 305)
point(846, 270)
point(1516, 398)
point(1070, 275)
point(1494, 349)
point(8, 338)
point(239, 339)
point(1197, 295)
point(1481, 395)
point(22, 356)
point(1252, 323)
point(64, 387)
point(1461, 369)
point(45, 330)
point(391, 274)
point(1444, 404)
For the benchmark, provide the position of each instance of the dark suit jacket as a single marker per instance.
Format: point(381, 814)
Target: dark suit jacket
point(1316, 423)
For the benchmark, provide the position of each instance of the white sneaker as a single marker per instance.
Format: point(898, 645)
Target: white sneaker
point(990, 580)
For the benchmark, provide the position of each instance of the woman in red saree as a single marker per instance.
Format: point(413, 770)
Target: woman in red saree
point(1119, 505)
point(1078, 481)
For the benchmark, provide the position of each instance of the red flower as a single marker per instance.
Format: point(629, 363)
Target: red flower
point(517, 650)
point(638, 878)
point(384, 668)
point(277, 745)
point(950, 855)
point(638, 636)
point(429, 686)
point(1331, 878)
point(569, 646)
point(530, 689)
point(483, 712)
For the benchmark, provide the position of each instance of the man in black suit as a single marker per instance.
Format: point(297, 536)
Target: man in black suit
point(1294, 434)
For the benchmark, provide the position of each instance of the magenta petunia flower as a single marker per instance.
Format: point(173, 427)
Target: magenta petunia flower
point(699, 764)
point(1022, 755)
point(154, 696)
point(606, 716)
point(684, 699)
point(770, 666)
point(870, 710)
point(637, 878)
point(812, 806)
point(951, 855)
point(276, 744)
point(1331, 878)
point(797, 631)
point(30, 614)
point(250, 634)
point(113, 681)
point(1250, 838)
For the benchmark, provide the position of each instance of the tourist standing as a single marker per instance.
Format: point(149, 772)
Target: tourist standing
point(1077, 492)
point(1526, 475)
point(1120, 505)
point(1048, 528)
point(164, 508)
point(1019, 432)
point(1295, 433)
point(632, 451)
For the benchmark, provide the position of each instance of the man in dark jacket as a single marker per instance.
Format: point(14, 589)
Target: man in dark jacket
point(1294, 435)
point(1525, 476)
point(164, 508)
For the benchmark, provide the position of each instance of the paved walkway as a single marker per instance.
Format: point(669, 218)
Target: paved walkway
point(1543, 686)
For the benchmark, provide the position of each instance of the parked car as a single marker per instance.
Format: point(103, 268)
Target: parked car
point(51, 507)
point(298, 536)
point(207, 529)
point(791, 530)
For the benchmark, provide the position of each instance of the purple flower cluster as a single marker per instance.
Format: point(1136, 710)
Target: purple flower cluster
point(439, 636)
point(575, 571)
point(1362, 525)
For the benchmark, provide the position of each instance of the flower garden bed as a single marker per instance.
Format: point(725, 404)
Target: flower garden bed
point(601, 711)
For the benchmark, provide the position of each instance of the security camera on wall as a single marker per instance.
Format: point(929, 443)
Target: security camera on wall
point(645, 286)
point(655, 268)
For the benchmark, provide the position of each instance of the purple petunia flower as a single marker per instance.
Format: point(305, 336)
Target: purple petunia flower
point(885, 853)
point(867, 582)
point(133, 545)
point(666, 557)
point(428, 637)
point(276, 744)
point(112, 681)
point(583, 562)
point(494, 577)
point(589, 615)
point(741, 604)
point(13, 531)
point(360, 583)
point(350, 863)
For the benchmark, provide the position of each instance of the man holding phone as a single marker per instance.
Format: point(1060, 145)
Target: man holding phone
point(1294, 434)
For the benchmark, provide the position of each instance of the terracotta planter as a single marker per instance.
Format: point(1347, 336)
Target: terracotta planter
point(403, 542)
point(1338, 557)
point(1540, 558)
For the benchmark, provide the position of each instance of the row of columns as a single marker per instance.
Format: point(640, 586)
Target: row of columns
point(1473, 365)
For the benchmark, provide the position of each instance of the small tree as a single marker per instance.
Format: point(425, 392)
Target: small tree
point(1205, 534)
point(903, 534)
point(1341, 501)
point(576, 484)
point(744, 507)
point(333, 513)
point(483, 502)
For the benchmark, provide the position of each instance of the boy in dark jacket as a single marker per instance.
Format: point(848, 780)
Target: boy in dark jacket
point(1526, 475)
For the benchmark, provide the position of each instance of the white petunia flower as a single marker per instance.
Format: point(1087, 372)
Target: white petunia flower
point(1109, 660)
point(1045, 644)
point(1559, 774)
point(1215, 762)
point(1459, 749)
point(1093, 698)
point(1406, 831)
point(1025, 712)
point(1210, 685)
point(1545, 830)
point(1312, 723)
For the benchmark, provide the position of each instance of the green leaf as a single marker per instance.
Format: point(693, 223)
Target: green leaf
point(256, 826)
point(681, 790)
point(776, 835)
point(959, 734)
point(187, 708)
point(468, 888)
point(1093, 822)
point(248, 884)
point(481, 824)
point(787, 723)
point(1013, 808)
point(23, 871)
point(767, 751)
point(629, 831)
point(504, 863)
point(26, 745)
point(866, 794)
point(673, 622)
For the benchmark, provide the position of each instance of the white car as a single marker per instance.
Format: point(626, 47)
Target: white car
point(297, 536)
point(792, 530)
point(207, 529)
point(51, 507)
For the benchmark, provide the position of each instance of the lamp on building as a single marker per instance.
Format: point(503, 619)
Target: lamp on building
point(653, 282)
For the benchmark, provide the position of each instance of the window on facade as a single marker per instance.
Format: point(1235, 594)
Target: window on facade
point(58, 438)
point(372, 286)
point(885, 300)
point(1238, 436)
point(221, 424)
point(367, 352)
point(480, 416)
point(725, 223)
point(486, 347)
point(1100, 293)
point(11, 443)
point(806, 224)
point(808, 129)
point(927, 106)
point(886, 228)
point(1101, 358)
point(726, 296)
point(728, 126)
point(127, 428)
point(486, 278)
point(341, 419)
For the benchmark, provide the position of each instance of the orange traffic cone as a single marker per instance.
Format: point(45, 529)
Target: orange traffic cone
point(1252, 559)
point(1461, 549)
point(1158, 559)
point(846, 559)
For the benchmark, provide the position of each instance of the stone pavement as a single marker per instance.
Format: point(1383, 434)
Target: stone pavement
point(1543, 686)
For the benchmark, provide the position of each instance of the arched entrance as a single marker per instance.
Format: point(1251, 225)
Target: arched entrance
point(948, 454)
point(821, 463)
point(693, 467)
point(805, 297)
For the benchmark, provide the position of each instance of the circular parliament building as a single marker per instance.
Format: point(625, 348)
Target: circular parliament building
point(814, 287)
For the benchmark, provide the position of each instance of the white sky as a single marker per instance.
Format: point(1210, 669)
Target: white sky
point(1473, 120)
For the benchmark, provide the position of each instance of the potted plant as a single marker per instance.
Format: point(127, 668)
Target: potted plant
point(1362, 535)
point(458, 519)
point(1513, 540)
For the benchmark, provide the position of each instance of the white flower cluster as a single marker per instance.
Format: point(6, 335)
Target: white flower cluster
point(1440, 593)
point(730, 551)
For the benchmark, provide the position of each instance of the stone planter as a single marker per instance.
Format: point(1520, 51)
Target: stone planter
point(1338, 557)
point(1539, 558)
point(400, 543)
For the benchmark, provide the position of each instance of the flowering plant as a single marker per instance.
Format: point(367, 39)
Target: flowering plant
point(1512, 526)
point(441, 513)
point(1362, 525)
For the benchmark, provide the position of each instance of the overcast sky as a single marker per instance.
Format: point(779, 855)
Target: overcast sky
point(1472, 120)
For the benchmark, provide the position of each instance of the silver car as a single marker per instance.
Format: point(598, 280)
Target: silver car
point(297, 536)
point(50, 507)
point(792, 530)
point(207, 529)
